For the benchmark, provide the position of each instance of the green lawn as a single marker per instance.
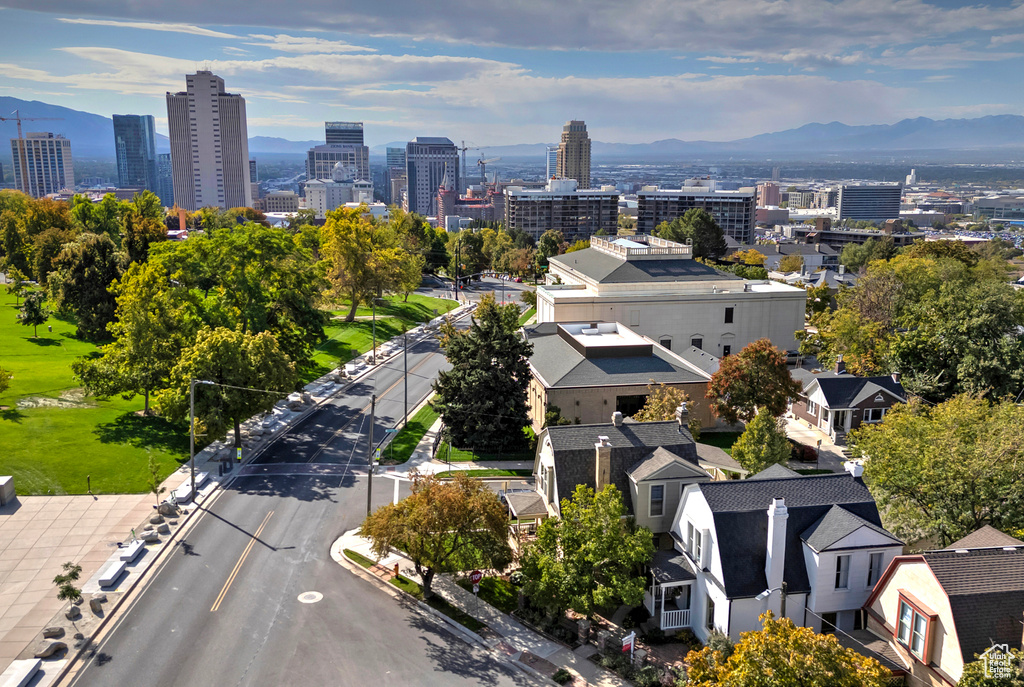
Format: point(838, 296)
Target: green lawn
point(409, 437)
point(487, 472)
point(346, 340)
point(496, 591)
point(50, 449)
point(359, 558)
point(723, 440)
point(527, 315)
point(438, 604)
point(461, 455)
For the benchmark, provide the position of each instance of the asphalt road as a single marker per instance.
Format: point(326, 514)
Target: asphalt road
point(223, 607)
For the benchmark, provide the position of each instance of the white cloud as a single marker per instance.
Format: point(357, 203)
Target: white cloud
point(304, 44)
point(725, 60)
point(232, 50)
point(947, 56)
point(150, 26)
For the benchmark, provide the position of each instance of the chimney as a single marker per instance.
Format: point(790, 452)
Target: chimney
point(617, 418)
point(842, 269)
point(775, 560)
point(817, 248)
point(896, 376)
point(683, 416)
point(854, 468)
point(603, 463)
point(182, 224)
point(840, 365)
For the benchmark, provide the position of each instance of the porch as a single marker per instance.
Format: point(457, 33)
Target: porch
point(669, 599)
point(526, 511)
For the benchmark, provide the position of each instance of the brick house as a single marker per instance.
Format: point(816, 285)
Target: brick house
point(837, 402)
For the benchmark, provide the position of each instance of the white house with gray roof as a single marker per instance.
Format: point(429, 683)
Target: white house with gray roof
point(657, 289)
point(815, 544)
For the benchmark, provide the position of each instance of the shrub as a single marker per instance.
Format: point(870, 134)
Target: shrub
point(686, 636)
point(516, 578)
point(562, 676)
point(648, 676)
point(719, 641)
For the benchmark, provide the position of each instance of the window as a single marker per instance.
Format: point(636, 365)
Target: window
point(874, 568)
point(709, 621)
point(693, 542)
point(874, 414)
point(828, 623)
point(906, 617)
point(667, 343)
point(728, 315)
point(918, 635)
point(697, 342)
point(812, 407)
point(842, 572)
point(726, 350)
point(657, 500)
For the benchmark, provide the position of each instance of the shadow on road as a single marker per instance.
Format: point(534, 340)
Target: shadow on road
point(449, 654)
point(301, 487)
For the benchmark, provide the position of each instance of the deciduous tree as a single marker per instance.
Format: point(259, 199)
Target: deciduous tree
point(139, 232)
point(443, 526)
point(34, 312)
point(85, 269)
point(750, 256)
point(762, 444)
point(791, 263)
point(551, 243)
point(16, 284)
point(482, 398)
point(698, 225)
point(752, 381)
point(944, 471)
point(782, 654)
point(589, 557)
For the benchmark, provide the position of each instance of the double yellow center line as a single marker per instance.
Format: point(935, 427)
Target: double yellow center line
point(238, 565)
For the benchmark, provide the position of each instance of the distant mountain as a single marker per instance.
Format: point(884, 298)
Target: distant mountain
point(92, 136)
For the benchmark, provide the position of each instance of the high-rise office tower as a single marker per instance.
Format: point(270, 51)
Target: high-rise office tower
point(551, 159)
point(42, 164)
point(396, 158)
point(574, 154)
point(209, 145)
point(425, 160)
point(164, 179)
point(2, 180)
point(254, 173)
point(320, 160)
point(873, 202)
point(344, 132)
point(394, 174)
point(135, 147)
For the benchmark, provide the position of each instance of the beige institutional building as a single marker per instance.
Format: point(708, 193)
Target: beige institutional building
point(574, 154)
point(655, 288)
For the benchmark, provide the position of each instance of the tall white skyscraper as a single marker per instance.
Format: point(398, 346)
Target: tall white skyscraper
point(42, 164)
point(209, 145)
point(552, 162)
point(427, 159)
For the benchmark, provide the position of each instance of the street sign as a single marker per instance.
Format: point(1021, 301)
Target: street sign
point(239, 456)
point(476, 589)
point(476, 576)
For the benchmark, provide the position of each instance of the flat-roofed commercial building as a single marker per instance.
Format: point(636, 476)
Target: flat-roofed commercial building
point(734, 211)
point(875, 202)
point(655, 288)
point(42, 164)
point(427, 160)
point(561, 206)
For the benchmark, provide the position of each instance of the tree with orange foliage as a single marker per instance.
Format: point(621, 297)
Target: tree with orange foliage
point(754, 380)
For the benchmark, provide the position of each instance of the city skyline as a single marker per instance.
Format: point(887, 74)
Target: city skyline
point(511, 76)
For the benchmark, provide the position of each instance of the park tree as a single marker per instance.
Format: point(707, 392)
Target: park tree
point(443, 526)
point(943, 471)
point(250, 374)
point(466, 253)
point(579, 245)
point(750, 256)
point(701, 228)
point(762, 444)
point(5, 379)
point(418, 237)
point(153, 478)
point(15, 248)
point(103, 217)
point(138, 233)
point(16, 284)
point(551, 243)
point(46, 246)
point(34, 312)
point(65, 582)
point(780, 653)
point(80, 285)
point(154, 323)
point(589, 557)
point(753, 381)
point(482, 398)
point(791, 263)
point(45, 213)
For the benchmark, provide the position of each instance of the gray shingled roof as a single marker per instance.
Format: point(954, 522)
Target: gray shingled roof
point(609, 269)
point(699, 358)
point(836, 524)
point(562, 366)
point(668, 565)
point(574, 452)
point(662, 458)
point(740, 510)
point(526, 503)
point(841, 391)
point(777, 471)
point(985, 536)
point(986, 595)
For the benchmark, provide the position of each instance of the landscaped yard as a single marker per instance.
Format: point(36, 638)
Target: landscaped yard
point(346, 340)
point(487, 472)
point(406, 441)
point(52, 437)
point(723, 440)
point(527, 315)
point(496, 591)
point(462, 455)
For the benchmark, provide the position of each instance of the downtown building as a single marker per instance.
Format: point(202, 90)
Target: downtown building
point(734, 211)
point(343, 143)
point(427, 160)
point(560, 205)
point(135, 149)
point(872, 202)
point(42, 164)
point(394, 175)
point(573, 158)
point(209, 145)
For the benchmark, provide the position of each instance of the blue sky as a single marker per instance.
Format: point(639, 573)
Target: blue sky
point(499, 73)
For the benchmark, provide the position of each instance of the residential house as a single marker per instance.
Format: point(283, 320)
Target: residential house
point(938, 610)
point(813, 545)
point(589, 370)
point(837, 402)
point(815, 256)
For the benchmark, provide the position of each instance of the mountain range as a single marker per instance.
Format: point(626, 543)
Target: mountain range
point(92, 137)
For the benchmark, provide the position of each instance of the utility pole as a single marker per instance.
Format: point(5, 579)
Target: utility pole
point(405, 360)
point(192, 428)
point(374, 354)
point(369, 458)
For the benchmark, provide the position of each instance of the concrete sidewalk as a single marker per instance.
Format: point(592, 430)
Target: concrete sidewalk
point(422, 460)
point(511, 639)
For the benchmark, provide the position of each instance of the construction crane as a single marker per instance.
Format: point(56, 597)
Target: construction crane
point(483, 167)
point(462, 169)
point(21, 144)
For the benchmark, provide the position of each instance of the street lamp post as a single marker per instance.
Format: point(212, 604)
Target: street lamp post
point(369, 458)
point(768, 592)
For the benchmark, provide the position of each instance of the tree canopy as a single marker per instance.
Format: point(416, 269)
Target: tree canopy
point(80, 285)
point(762, 444)
point(754, 380)
point(34, 312)
point(589, 557)
point(443, 526)
point(700, 227)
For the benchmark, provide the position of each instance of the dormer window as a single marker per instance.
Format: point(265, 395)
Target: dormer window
point(914, 625)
